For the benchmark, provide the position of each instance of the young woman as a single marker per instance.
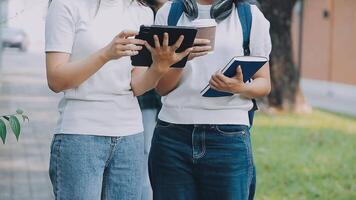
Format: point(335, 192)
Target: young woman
point(201, 147)
point(97, 150)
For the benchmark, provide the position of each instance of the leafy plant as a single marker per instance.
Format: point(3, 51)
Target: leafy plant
point(14, 124)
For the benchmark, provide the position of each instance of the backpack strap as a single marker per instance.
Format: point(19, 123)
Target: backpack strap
point(176, 11)
point(245, 15)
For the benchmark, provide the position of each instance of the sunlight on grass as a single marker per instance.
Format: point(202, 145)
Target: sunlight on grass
point(305, 157)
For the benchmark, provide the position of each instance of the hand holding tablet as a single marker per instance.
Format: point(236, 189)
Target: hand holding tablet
point(149, 33)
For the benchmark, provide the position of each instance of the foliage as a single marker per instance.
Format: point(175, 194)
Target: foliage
point(305, 157)
point(14, 124)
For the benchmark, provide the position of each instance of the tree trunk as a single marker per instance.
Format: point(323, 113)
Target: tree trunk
point(285, 73)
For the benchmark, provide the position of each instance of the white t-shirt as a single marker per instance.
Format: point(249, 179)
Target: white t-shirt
point(104, 104)
point(185, 105)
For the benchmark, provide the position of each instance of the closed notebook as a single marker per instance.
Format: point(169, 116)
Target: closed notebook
point(249, 66)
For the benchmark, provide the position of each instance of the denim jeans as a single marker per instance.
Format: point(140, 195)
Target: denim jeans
point(97, 167)
point(149, 123)
point(205, 162)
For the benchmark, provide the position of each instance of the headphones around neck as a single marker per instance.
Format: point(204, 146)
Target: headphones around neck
point(220, 9)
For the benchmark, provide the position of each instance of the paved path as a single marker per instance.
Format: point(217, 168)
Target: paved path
point(334, 97)
point(24, 164)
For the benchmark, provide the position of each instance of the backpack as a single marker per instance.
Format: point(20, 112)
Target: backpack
point(245, 15)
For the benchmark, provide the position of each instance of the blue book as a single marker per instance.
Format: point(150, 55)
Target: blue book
point(249, 66)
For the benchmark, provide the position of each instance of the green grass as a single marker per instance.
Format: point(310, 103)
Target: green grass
point(305, 157)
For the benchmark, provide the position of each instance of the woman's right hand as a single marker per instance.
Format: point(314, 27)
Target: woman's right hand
point(122, 45)
point(164, 56)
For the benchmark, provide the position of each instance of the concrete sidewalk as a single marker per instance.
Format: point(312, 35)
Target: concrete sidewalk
point(24, 164)
point(333, 97)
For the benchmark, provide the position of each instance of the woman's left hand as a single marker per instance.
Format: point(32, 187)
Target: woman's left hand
point(233, 85)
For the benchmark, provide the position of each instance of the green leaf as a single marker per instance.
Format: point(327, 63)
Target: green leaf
point(24, 118)
point(19, 111)
point(2, 131)
point(15, 126)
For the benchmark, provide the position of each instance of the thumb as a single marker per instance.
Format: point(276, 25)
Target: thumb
point(239, 75)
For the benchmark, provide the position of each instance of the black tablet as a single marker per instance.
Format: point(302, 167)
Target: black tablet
point(147, 32)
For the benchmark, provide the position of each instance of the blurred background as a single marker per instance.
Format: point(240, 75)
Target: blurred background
point(304, 137)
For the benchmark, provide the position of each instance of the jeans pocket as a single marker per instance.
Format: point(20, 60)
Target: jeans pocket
point(53, 165)
point(232, 130)
point(163, 124)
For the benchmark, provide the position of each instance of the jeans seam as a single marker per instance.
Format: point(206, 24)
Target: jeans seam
point(202, 154)
point(250, 164)
point(112, 151)
point(57, 174)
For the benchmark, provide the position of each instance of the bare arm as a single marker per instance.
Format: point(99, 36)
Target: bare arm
point(171, 79)
point(260, 87)
point(163, 57)
point(62, 74)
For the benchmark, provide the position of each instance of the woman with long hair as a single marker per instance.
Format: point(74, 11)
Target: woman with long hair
point(201, 147)
point(97, 150)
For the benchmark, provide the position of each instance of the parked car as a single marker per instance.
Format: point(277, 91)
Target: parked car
point(14, 38)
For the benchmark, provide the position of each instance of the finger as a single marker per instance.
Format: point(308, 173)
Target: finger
point(157, 43)
point(202, 48)
point(222, 77)
point(178, 42)
point(217, 80)
point(213, 84)
point(130, 41)
point(215, 88)
point(239, 74)
point(127, 33)
point(128, 53)
point(130, 47)
point(165, 40)
point(184, 53)
point(195, 55)
point(201, 42)
point(149, 47)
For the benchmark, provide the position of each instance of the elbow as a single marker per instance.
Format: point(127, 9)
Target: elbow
point(161, 92)
point(57, 86)
point(137, 93)
point(268, 90)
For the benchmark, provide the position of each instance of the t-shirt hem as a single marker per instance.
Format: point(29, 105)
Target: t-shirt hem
point(204, 116)
point(111, 133)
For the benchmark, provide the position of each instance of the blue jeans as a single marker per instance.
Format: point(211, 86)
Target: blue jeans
point(97, 167)
point(207, 162)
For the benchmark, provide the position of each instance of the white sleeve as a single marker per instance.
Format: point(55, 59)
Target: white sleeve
point(260, 41)
point(162, 14)
point(60, 27)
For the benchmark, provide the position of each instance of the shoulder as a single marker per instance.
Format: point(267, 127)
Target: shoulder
point(67, 7)
point(258, 16)
point(162, 13)
point(144, 12)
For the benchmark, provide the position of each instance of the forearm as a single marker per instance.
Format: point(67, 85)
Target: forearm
point(169, 81)
point(71, 74)
point(143, 82)
point(260, 87)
